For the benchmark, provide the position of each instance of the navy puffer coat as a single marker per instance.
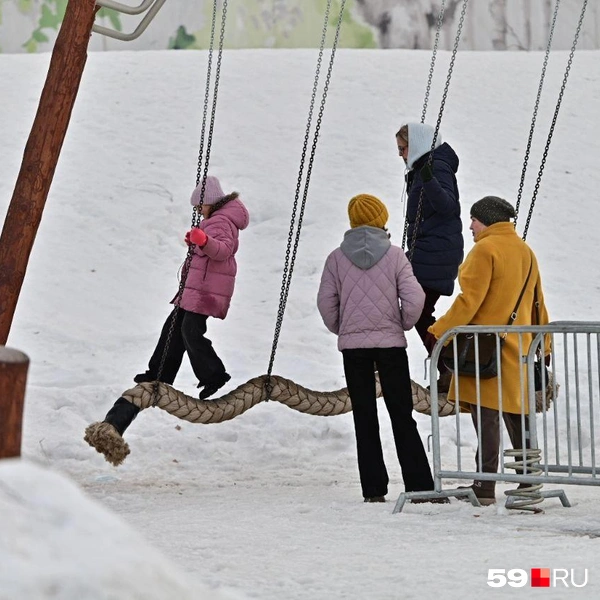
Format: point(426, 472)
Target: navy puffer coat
point(438, 249)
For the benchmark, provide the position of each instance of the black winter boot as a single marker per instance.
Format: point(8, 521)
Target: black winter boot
point(144, 377)
point(212, 386)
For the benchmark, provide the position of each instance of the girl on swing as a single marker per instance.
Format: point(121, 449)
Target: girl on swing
point(209, 284)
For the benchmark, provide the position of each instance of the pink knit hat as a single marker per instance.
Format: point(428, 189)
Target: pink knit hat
point(212, 192)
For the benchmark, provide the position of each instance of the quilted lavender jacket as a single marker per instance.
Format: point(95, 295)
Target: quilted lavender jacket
point(360, 287)
point(211, 278)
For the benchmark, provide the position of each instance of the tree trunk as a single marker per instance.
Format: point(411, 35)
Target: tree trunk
point(41, 154)
point(13, 376)
point(527, 16)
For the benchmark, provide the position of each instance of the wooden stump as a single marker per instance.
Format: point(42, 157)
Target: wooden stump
point(13, 376)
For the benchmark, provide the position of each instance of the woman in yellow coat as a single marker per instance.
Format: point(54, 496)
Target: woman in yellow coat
point(491, 280)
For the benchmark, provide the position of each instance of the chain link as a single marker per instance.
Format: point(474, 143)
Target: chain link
point(213, 113)
point(405, 232)
point(206, 94)
point(202, 164)
point(419, 215)
point(535, 111)
point(554, 119)
point(294, 239)
point(440, 21)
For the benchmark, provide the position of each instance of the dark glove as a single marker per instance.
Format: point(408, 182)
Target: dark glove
point(427, 173)
point(548, 359)
point(429, 342)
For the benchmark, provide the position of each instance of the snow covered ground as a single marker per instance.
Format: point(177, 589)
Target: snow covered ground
point(267, 505)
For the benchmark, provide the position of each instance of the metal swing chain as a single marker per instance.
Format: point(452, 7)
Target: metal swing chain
point(437, 126)
point(313, 150)
point(535, 111)
point(290, 255)
point(196, 212)
point(440, 21)
point(288, 251)
point(212, 114)
point(554, 119)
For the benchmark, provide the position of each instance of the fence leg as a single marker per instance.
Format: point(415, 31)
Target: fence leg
point(13, 376)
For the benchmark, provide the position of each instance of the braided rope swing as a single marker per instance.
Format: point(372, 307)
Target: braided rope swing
point(106, 439)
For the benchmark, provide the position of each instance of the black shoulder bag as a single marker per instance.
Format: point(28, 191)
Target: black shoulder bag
point(488, 356)
point(539, 365)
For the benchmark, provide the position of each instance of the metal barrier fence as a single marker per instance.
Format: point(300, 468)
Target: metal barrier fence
point(561, 437)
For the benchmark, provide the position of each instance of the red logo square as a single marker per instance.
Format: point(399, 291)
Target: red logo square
point(540, 577)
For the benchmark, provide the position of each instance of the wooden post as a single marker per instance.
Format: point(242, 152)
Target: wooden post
point(41, 154)
point(13, 376)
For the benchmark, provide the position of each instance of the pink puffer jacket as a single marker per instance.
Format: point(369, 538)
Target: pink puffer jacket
point(360, 287)
point(211, 279)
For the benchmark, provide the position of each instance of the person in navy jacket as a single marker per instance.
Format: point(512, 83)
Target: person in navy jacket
point(434, 244)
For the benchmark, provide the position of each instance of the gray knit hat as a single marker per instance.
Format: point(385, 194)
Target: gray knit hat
point(212, 192)
point(491, 209)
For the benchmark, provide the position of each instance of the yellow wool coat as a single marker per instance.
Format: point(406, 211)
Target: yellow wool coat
point(491, 279)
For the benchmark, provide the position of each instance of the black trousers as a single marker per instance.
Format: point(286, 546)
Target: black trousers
point(188, 336)
point(490, 436)
point(392, 364)
point(426, 320)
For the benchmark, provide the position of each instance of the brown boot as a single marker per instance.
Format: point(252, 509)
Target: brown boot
point(443, 383)
point(375, 499)
point(485, 492)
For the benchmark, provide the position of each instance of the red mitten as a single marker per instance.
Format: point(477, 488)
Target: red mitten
point(187, 239)
point(197, 236)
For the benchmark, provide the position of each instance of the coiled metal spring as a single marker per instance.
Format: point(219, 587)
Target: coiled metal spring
point(527, 495)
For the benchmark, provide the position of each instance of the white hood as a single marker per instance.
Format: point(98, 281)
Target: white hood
point(420, 138)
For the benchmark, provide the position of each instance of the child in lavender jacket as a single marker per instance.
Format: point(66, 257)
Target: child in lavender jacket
point(358, 297)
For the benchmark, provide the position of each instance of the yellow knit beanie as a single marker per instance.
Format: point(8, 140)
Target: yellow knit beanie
point(365, 209)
